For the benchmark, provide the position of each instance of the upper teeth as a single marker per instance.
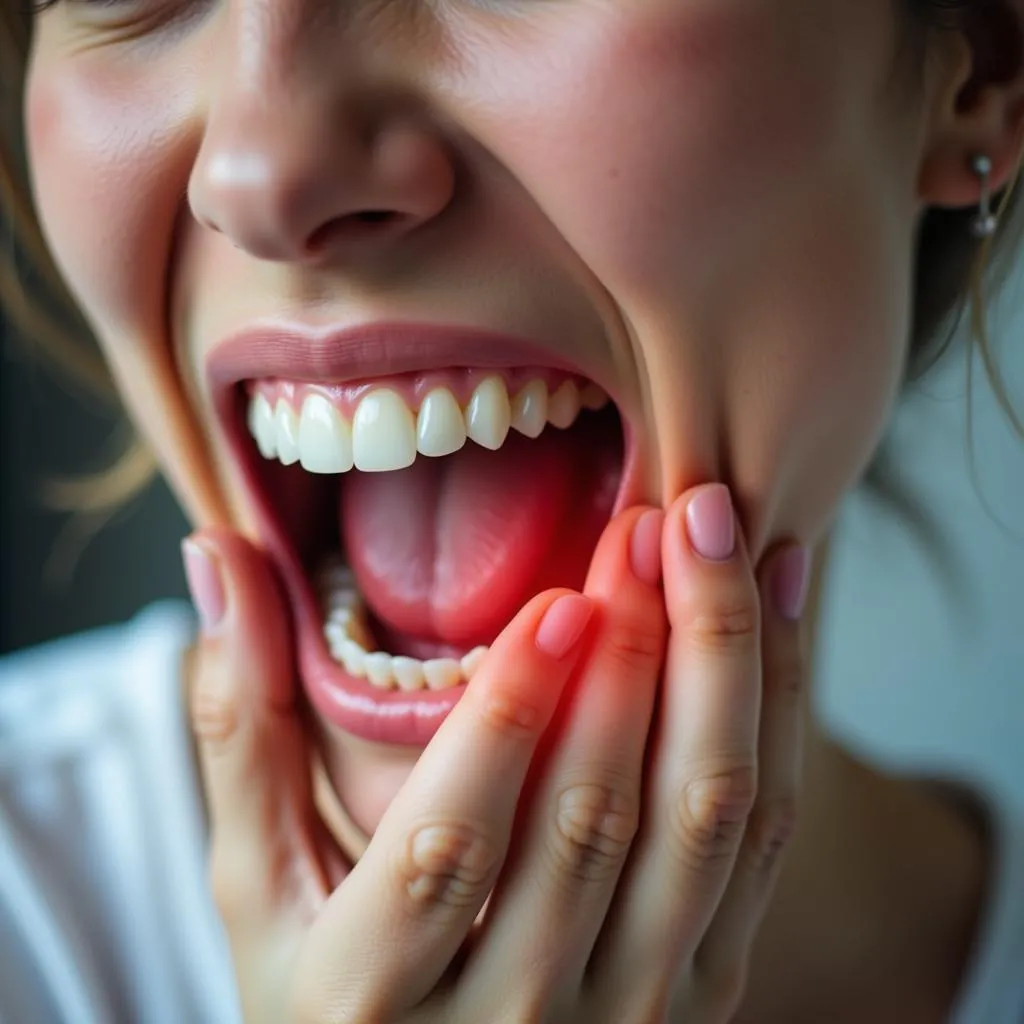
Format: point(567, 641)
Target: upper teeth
point(386, 434)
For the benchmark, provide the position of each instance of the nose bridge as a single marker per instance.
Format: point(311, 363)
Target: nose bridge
point(299, 134)
point(273, 49)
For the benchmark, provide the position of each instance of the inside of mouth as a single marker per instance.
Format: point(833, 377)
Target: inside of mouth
point(445, 552)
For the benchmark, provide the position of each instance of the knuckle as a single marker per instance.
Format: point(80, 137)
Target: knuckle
point(214, 714)
point(731, 624)
point(510, 715)
point(635, 646)
point(595, 825)
point(447, 864)
point(711, 816)
point(770, 828)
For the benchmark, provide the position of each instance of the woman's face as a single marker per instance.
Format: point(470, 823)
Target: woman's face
point(707, 207)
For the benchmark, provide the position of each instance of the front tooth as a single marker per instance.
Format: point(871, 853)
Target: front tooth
point(440, 428)
point(261, 426)
point(489, 415)
point(325, 438)
point(564, 406)
point(442, 673)
point(383, 433)
point(592, 397)
point(378, 669)
point(287, 430)
point(408, 673)
point(530, 409)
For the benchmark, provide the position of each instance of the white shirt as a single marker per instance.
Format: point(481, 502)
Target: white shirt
point(104, 910)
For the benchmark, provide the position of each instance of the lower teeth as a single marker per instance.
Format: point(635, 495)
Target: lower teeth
point(348, 641)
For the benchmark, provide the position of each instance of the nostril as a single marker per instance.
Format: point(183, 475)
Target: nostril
point(340, 229)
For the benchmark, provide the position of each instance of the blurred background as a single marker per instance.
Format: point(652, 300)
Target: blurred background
point(923, 646)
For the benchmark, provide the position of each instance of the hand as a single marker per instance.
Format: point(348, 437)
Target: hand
point(615, 779)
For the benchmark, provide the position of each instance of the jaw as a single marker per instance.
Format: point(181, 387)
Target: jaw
point(297, 517)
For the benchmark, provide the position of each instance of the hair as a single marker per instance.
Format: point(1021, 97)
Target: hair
point(952, 267)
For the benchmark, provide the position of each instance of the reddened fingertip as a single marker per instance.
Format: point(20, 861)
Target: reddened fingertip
point(563, 624)
point(645, 547)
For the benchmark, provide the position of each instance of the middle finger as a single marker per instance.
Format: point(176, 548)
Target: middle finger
point(704, 764)
point(550, 903)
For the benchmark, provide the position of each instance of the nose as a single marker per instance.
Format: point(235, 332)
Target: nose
point(302, 167)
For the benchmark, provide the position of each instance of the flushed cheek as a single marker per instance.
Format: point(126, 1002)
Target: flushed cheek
point(815, 359)
point(650, 134)
point(109, 167)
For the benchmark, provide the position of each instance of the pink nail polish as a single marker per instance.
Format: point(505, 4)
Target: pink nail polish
point(791, 576)
point(563, 624)
point(711, 524)
point(204, 583)
point(645, 547)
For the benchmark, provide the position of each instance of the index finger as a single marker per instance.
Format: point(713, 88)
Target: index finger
point(412, 898)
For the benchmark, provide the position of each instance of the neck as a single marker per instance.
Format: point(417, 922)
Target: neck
point(878, 899)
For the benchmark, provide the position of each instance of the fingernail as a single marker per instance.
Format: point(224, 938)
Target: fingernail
point(791, 575)
point(205, 585)
point(711, 524)
point(645, 546)
point(563, 624)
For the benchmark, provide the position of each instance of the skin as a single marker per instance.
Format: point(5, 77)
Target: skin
point(711, 203)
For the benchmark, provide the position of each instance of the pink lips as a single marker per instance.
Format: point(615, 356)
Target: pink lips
point(366, 352)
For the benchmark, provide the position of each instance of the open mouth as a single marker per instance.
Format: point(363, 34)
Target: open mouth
point(413, 513)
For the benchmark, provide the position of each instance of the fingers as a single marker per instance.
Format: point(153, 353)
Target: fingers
point(704, 769)
point(409, 903)
point(721, 960)
point(574, 840)
point(250, 743)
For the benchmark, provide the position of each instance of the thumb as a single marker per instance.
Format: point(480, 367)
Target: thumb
point(244, 712)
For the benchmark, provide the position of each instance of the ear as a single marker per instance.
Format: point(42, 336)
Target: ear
point(976, 106)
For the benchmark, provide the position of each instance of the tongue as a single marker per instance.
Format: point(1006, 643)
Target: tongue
point(449, 549)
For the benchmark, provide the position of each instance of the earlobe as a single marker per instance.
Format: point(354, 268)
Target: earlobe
point(967, 121)
point(948, 177)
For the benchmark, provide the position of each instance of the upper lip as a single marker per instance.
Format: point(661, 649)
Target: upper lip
point(369, 350)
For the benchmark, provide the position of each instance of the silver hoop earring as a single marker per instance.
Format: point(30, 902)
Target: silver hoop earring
point(986, 222)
